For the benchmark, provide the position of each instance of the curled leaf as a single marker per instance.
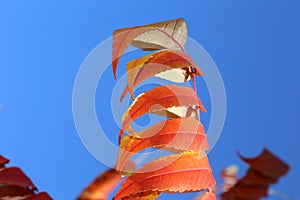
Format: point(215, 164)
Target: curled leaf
point(15, 176)
point(3, 161)
point(158, 99)
point(174, 173)
point(264, 170)
point(170, 34)
point(155, 64)
point(180, 134)
point(267, 164)
point(14, 184)
point(102, 186)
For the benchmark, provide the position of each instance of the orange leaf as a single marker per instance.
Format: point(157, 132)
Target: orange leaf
point(207, 196)
point(184, 134)
point(144, 196)
point(185, 172)
point(164, 35)
point(102, 186)
point(158, 99)
point(153, 64)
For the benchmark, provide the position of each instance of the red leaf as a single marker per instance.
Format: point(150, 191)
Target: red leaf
point(158, 99)
point(169, 34)
point(142, 68)
point(183, 134)
point(245, 192)
point(253, 177)
point(102, 186)
point(15, 176)
point(12, 190)
point(267, 164)
point(174, 173)
point(3, 161)
point(39, 196)
point(264, 170)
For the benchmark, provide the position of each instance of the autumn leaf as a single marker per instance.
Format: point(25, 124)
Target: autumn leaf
point(102, 186)
point(13, 190)
point(180, 134)
point(158, 99)
point(15, 176)
point(39, 196)
point(158, 64)
point(264, 170)
point(207, 196)
point(267, 164)
point(173, 173)
point(170, 34)
point(144, 196)
point(15, 184)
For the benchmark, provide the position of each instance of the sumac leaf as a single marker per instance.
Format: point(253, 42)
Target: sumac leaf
point(15, 176)
point(102, 186)
point(267, 164)
point(158, 99)
point(3, 161)
point(174, 173)
point(155, 63)
point(180, 134)
point(264, 170)
point(170, 34)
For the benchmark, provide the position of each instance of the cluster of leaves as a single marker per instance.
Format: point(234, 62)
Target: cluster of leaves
point(188, 169)
point(264, 170)
point(14, 184)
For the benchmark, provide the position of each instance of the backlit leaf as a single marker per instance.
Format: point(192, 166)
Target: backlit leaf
point(155, 63)
point(174, 173)
point(102, 186)
point(170, 34)
point(181, 134)
point(158, 99)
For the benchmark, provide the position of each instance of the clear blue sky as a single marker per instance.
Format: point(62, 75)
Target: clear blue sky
point(255, 45)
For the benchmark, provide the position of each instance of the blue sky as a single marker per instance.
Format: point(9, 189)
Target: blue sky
point(255, 45)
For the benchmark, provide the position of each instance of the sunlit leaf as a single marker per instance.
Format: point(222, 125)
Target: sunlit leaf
point(170, 34)
point(181, 134)
point(175, 173)
point(158, 99)
point(168, 64)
